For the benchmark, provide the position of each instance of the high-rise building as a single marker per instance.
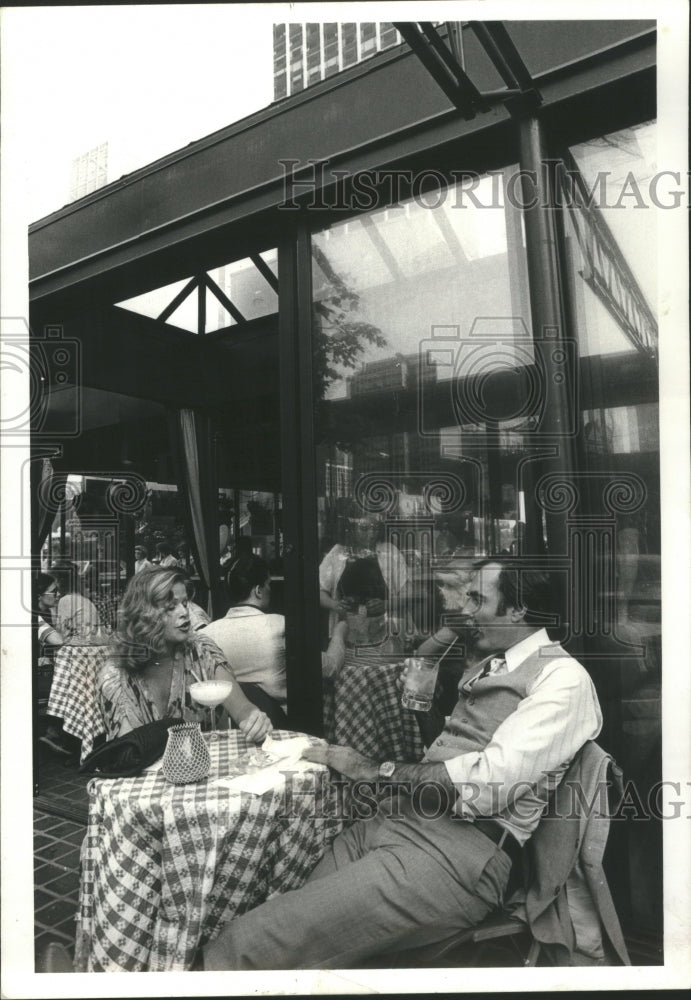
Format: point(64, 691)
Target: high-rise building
point(307, 53)
point(89, 171)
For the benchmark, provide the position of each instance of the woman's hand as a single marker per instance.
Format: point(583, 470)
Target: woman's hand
point(255, 725)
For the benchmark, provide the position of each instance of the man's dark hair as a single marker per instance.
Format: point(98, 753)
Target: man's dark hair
point(244, 574)
point(164, 549)
point(533, 589)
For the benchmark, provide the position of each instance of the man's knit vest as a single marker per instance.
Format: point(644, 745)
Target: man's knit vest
point(482, 706)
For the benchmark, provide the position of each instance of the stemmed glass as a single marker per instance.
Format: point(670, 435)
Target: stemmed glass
point(211, 694)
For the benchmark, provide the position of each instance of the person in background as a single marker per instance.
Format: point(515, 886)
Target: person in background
point(198, 616)
point(359, 580)
point(156, 657)
point(164, 556)
point(141, 559)
point(47, 593)
point(185, 560)
point(77, 617)
point(253, 640)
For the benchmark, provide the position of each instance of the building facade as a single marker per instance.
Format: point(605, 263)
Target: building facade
point(306, 53)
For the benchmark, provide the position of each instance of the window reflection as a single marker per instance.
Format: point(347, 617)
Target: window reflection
point(613, 246)
point(403, 297)
point(611, 289)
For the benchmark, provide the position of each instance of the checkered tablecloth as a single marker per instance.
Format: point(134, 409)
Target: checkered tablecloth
point(73, 693)
point(362, 709)
point(164, 866)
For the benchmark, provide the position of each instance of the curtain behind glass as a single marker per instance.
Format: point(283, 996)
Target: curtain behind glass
point(196, 474)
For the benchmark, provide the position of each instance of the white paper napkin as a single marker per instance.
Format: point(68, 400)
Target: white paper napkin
point(286, 754)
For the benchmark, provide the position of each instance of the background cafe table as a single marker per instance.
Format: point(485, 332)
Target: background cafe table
point(362, 710)
point(73, 692)
point(165, 866)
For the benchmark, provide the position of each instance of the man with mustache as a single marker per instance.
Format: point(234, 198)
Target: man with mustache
point(415, 878)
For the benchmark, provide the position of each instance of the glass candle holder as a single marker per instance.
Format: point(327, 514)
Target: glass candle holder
point(186, 756)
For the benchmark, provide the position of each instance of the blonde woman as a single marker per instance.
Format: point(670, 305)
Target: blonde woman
point(156, 657)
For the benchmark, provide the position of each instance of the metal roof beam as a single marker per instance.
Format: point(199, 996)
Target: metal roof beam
point(441, 66)
point(178, 300)
point(507, 60)
point(265, 271)
point(223, 299)
point(444, 63)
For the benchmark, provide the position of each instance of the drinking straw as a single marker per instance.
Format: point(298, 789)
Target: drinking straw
point(448, 649)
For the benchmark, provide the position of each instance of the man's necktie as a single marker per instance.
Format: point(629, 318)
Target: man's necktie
point(487, 668)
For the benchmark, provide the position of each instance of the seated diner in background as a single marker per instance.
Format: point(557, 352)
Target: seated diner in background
point(251, 639)
point(155, 658)
point(78, 620)
point(47, 595)
point(47, 592)
point(409, 878)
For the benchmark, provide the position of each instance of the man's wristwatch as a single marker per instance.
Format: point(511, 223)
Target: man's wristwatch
point(387, 769)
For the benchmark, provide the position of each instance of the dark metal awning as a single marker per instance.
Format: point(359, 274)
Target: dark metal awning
point(223, 197)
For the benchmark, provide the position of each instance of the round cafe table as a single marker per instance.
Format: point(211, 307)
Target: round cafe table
point(164, 867)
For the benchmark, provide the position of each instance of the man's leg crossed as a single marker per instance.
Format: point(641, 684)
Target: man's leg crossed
point(391, 898)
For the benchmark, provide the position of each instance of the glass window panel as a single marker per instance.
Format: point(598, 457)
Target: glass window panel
point(154, 302)
point(240, 281)
point(413, 268)
point(330, 48)
point(349, 44)
point(397, 296)
point(368, 39)
point(247, 289)
point(295, 35)
point(619, 444)
point(388, 35)
point(617, 169)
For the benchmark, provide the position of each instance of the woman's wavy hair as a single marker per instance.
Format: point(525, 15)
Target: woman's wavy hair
point(139, 635)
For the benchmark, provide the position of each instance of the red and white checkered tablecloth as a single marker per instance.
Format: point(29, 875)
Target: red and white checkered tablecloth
point(362, 709)
point(73, 695)
point(163, 866)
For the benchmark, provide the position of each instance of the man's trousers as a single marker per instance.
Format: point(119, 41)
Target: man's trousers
point(384, 885)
